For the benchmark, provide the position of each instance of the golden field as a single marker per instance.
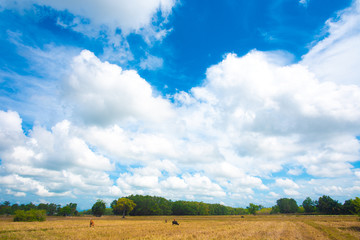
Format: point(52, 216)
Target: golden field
point(191, 227)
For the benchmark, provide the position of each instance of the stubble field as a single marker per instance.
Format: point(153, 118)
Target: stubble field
point(191, 227)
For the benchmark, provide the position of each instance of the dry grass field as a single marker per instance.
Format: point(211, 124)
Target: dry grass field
point(191, 227)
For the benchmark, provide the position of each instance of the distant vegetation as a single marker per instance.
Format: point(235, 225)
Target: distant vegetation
point(30, 215)
point(139, 205)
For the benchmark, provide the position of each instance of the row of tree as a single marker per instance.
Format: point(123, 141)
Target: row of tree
point(137, 205)
point(324, 205)
point(51, 209)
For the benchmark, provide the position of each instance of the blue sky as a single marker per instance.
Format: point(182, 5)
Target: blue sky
point(218, 101)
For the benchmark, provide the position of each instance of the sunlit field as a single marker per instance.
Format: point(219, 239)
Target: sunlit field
point(191, 227)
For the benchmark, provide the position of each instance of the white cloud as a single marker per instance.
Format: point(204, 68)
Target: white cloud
point(304, 2)
point(274, 195)
point(295, 171)
point(127, 15)
point(10, 129)
point(335, 57)
point(291, 192)
point(174, 183)
point(253, 116)
point(16, 194)
point(103, 93)
point(151, 62)
point(49, 163)
point(286, 183)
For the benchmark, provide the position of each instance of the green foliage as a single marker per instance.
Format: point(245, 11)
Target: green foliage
point(51, 209)
point(348, 207)
point(98, 209)
point(327, 205)
point(148, 205)
point(108, 211)
point(86, 212)
point(301, 209)
point(252, 208)
point(30, 215)
point(123, 205)
point(68, 210)
point(309, 205)
point(275, 210)
point(287, 205)
point(264, 211)
point(356, 204)
point(218, 209)
point(185, 208)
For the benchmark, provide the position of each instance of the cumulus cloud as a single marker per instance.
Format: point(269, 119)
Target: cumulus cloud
point(48, 163)
point(253, 116)
point(103, 93)
point(286, 183)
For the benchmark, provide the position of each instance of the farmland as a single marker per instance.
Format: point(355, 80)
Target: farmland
point(191, 227)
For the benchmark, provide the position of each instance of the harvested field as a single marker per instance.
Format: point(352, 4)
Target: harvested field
point(191, 227)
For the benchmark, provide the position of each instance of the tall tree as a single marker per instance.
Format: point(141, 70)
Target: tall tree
point(123, 205)
point(98, 209)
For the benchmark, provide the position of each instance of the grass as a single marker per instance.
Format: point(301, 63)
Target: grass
point(191, 227)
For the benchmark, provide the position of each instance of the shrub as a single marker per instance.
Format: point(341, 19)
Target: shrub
point(30, 216)
point(264, 211)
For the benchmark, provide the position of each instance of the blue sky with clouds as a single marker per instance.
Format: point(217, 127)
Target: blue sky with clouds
point(218, 101)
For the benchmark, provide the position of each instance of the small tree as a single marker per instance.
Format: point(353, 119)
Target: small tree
point(98, 209)
point(124, 206)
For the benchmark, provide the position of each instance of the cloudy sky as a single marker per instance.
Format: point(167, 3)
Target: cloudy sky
point(226, 102)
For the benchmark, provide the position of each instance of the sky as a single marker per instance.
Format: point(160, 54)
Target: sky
point(230, 102)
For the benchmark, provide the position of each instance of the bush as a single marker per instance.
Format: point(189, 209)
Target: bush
point(264, 211)
point(30, 216)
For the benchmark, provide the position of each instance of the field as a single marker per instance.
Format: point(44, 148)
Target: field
point(191, 227)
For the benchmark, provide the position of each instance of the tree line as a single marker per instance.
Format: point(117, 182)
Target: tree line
point(139, 205)
point(324, 205)
point(51, 209)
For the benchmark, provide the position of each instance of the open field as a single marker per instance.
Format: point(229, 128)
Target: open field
point(191, 227)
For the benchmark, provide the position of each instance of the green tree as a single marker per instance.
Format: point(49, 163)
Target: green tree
point(287, 205)
point(68, 210)
point(356, 204)
point(52, 209)
point(98, 209)
point(252, 208)
point(328, 205)
point(150, 205)
point(123, 205)
point(309, 205)
point(348, 207)
point(5, 208)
